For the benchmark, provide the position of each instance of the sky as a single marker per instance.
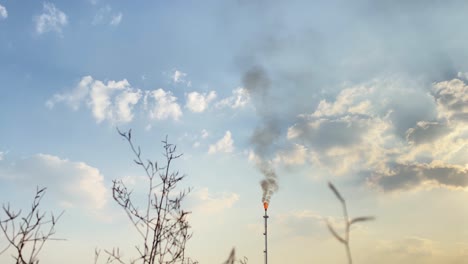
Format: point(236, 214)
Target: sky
point(369, 95)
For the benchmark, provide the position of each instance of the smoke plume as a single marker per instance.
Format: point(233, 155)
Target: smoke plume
point(258, 84)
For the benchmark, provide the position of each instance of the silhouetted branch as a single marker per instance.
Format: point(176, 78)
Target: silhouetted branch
point(161, 222)
point(26, 234)
point(232, 258)
point(348, 223)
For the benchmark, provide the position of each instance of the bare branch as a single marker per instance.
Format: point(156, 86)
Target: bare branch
point(160, 222)
point(30, 233)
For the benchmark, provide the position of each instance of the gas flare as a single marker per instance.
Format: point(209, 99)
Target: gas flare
point(267, 132)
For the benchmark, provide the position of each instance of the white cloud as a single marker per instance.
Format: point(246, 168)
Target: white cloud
point(226, 144)
point(75, 184)
point(125, 103)
point(75, 97)
point(198, 102)
point(240, 98)
point(351, 100)
point(214, 202)
point(165, 105)
point(116, 19)
point(3, 12)
point(178, 76)
point(101, 104)
point(52, 19)
point(112, 101)
point(2, 155)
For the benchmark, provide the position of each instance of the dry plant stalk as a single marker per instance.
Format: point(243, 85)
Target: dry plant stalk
point(161, 223)
point(345, 240)
point(232, 258)
point(25, 234)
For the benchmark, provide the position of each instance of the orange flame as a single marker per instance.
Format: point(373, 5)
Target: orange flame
point(265, 205)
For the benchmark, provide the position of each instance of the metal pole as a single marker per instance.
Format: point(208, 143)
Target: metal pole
point(265, 234)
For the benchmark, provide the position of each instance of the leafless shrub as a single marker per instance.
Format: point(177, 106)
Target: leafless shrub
point(232, 258)
point(28, 234)
point(348, 222)
point(161, 223)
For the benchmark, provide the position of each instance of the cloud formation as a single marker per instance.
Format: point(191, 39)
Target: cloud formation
point(452, 99)
point(409, 176)
point(75, 97)
point(52, 19)
point(72, 184)
point(3, 12)
point(360, 133)
point(162, 105)
point(113, 101)
point(100, 95)
point(361, 108)
point(178, 76)
point(239, 99)
point(198, 102)
point(224, 145)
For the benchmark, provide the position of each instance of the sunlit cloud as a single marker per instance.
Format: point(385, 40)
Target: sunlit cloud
point(113, 101)
point(162, 105)
point(74, 184)
point(239, 99)
point(224, 145)
point(199, 102)
point(359, 133)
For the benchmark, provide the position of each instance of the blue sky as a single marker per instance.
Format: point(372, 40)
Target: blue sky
point(371, 95)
